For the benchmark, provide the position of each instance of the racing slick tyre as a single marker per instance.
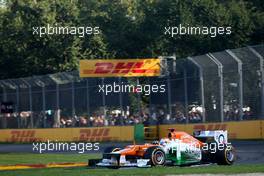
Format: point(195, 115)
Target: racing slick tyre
point(155, 155)
point(226, 156)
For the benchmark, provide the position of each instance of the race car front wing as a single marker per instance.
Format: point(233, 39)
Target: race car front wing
point(122, 162)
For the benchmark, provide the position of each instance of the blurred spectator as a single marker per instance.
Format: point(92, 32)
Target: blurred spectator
point(180, 118)
point(247, 114)
point(167, 120)
point(24, 115)
point(195, 114)
point(83, 122)
point(57, 116)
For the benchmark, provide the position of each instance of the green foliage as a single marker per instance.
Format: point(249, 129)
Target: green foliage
point(129, 29)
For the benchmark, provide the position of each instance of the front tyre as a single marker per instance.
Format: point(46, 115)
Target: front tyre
point(155, 155)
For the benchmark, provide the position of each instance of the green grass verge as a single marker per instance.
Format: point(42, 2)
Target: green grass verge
point(30, 158)
point(49, 158)
point(137, 171)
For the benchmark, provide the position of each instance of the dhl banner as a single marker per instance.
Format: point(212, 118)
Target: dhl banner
point(262, 128)
point(236, 130)
point(98, 134)
point(120, 68)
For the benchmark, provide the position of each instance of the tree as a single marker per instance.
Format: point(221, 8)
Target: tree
point(128, 29)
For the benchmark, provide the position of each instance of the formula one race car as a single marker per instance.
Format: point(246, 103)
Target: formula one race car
point(179, 148)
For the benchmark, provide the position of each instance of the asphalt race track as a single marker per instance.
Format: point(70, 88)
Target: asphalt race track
point(248, 152)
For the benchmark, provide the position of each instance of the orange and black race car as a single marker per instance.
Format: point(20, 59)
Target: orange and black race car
point(178, 148)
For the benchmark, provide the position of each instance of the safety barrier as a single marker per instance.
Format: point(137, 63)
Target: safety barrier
point(151, 133)
point(103, 134)
point(262, 128)
point(236, 130)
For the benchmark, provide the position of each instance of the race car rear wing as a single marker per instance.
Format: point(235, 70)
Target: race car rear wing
point(219, 136)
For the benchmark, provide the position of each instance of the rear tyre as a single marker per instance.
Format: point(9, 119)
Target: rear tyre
point(155, 155)
point(226, 156)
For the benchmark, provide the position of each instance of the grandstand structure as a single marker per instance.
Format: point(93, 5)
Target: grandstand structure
point(215, 87)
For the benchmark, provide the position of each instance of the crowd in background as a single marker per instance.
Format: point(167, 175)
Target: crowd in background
point(126, 118)
point(58, 119)
point(231, 113)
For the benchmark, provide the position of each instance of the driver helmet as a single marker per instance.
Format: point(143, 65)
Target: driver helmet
point(164, 141)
